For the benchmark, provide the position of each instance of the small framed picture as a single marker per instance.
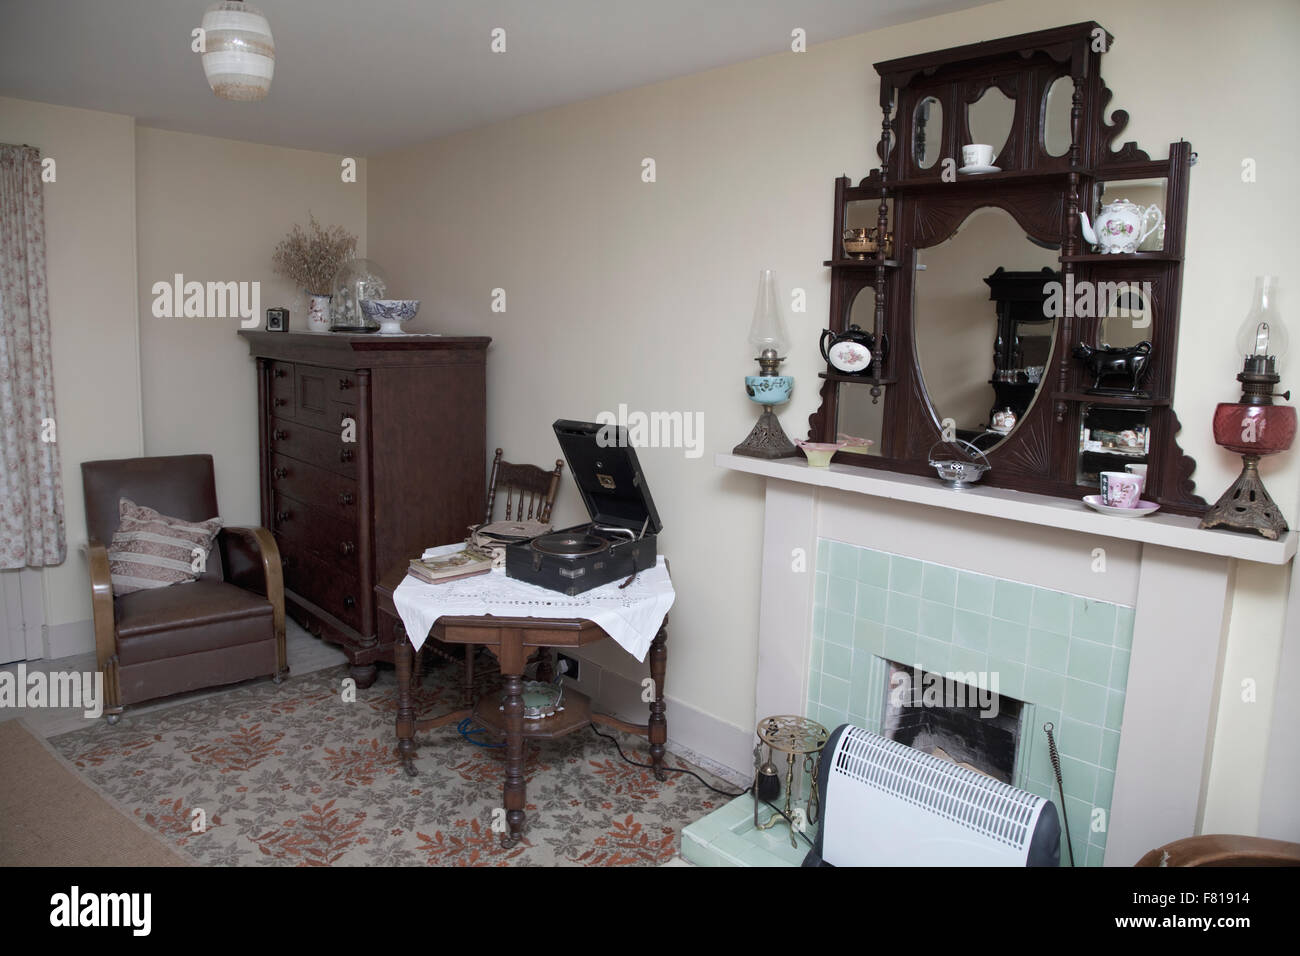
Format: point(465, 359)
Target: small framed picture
point(277, 320)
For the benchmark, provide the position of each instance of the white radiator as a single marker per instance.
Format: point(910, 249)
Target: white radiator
point(886, 804)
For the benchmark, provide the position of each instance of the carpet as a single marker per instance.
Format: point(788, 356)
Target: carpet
point(301, 775)
point(49, 817)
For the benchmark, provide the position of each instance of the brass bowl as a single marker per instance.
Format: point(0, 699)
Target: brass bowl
point(860, 243)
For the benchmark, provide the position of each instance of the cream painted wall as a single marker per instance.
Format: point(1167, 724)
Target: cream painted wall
point(127, 383)
point(213, 210)
point(90, 273)
point(621, 291)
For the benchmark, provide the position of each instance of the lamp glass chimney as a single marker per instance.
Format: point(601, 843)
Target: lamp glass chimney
point(767, 332)
point(1262, 339)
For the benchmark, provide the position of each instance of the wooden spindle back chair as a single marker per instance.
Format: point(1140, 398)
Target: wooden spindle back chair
point(529, 496)
point(524, 485)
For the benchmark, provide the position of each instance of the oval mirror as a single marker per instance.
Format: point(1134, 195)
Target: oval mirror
point(1056, 116)
point(983, 332)
point(927, 132)
point(989, 119)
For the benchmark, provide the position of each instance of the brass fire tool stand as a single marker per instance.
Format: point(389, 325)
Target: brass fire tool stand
point(794, 737)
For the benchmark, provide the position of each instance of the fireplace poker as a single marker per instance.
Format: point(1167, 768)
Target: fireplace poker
point(1060, 787)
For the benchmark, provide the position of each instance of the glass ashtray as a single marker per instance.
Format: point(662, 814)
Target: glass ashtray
point(959, 463)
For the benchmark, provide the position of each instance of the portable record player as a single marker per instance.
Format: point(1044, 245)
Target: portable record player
point(619, 540)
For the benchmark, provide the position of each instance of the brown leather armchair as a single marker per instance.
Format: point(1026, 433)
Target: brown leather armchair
point(227, 626)
point(1223, 849)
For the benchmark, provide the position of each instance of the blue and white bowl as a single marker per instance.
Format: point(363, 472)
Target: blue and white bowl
point(391, 314)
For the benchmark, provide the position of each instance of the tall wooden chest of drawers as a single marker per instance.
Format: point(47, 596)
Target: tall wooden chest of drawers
point(371, 449)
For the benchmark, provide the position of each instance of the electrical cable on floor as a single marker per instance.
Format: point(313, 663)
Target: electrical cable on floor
point(741, 793)
point(665, 768)
point(463, 729)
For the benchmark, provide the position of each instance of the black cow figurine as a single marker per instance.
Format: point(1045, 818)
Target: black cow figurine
point(1108, 362)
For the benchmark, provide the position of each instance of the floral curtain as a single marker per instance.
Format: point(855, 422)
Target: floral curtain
point(31, 487)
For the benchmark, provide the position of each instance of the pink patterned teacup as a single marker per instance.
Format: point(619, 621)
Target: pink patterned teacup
point(1119, 489)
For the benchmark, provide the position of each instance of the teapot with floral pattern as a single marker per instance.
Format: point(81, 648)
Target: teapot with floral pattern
point(849, 352)
point(1121, 226)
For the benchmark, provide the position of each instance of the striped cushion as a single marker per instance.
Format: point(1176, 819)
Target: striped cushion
point(151, 550)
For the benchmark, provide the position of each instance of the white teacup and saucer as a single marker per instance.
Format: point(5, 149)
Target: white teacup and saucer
point(977, 158)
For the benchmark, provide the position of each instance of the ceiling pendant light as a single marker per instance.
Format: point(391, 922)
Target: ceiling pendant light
point(239, 51)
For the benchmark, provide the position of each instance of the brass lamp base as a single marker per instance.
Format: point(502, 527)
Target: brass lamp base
point(767, 439)
point(1246, 506)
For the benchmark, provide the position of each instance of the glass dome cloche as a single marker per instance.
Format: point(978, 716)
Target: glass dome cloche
point(356, 279)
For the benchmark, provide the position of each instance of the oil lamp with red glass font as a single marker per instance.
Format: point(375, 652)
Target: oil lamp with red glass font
point(1253, 426)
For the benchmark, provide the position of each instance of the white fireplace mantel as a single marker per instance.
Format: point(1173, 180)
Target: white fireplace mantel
point(1152, 564)
point(1166, 530)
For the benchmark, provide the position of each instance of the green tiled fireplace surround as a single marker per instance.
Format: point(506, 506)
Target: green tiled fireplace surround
point(1066, 656)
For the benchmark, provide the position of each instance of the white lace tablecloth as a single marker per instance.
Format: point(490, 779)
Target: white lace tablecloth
point(632, 616)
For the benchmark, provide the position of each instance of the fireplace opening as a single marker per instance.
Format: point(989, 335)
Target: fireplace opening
point(951, 716)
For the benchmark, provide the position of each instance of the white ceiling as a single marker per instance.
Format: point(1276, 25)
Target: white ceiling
point(360, 78)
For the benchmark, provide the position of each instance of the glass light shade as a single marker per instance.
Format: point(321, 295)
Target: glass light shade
point(767, 331)
point(1262, 338)
point(238, 51)
point(356, 279)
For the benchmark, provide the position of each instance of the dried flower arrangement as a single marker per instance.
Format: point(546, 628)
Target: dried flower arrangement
point(311, 258)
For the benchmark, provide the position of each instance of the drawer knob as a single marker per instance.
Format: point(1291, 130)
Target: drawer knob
point(280, 473)
point(280, 373)
point(282, 516)
point(346, 548)
point(345, 497)
point(280, 402)
point(349, 602)
point(280, 435)
point(345, 384)
point(286, 562)
point(345, 455)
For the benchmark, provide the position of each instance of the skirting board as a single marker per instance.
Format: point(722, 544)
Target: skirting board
point(69, 640)
point(717, 746)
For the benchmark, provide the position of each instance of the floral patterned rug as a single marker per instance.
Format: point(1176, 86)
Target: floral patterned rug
point(296, 776)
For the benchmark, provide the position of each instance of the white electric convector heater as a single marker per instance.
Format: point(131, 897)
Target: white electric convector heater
point(886, 804)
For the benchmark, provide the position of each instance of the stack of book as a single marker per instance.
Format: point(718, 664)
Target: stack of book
point(450, 563)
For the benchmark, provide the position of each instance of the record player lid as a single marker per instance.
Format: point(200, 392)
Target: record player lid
point(605, 467)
